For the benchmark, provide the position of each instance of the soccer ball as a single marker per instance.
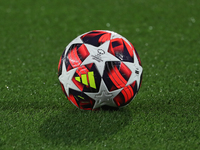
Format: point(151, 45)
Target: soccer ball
point(100, 68)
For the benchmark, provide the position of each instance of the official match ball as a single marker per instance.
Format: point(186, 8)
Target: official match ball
point(100, 68)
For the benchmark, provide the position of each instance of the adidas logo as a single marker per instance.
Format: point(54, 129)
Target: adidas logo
point(85, 77)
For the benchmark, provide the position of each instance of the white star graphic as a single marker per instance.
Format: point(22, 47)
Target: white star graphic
point(134, 67)
point(103, 56)
point(104, 97)
point(66, 79)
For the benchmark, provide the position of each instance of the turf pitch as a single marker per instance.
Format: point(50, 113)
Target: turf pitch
point(34, 113)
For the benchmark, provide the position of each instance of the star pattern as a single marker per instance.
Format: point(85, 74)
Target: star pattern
point(104, 57)
point(134, 67)
point(104, 97)
point(66, 79)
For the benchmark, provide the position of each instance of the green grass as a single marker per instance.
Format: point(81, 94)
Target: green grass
point(34, 113)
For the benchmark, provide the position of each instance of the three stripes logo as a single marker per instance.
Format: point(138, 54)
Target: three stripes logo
point(87, 77)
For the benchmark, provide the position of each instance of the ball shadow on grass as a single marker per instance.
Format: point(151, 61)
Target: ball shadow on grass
point(76, 127)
